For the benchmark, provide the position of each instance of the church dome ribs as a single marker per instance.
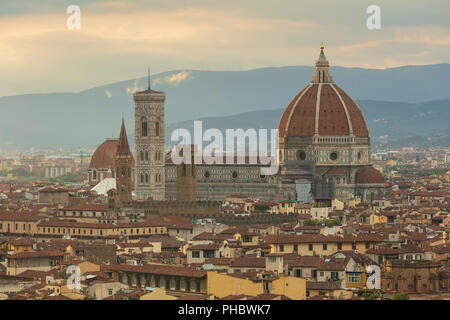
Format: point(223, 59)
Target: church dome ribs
point(322, 108)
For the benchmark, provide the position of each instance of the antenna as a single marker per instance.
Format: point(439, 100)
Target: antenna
point(149, 78)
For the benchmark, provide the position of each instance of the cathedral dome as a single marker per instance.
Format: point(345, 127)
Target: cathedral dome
point(369, 174)
point(322, 108)
point(105, 155)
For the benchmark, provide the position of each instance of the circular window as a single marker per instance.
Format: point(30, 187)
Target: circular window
point(234, 174)
point(333, 156)
point(301, 155)
point(206, 174)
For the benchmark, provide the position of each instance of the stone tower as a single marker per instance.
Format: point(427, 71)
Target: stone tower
point(186, 179)
point(124, 163)
point(149, 144)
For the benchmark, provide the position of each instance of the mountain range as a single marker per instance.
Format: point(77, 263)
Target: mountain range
point(409, 102)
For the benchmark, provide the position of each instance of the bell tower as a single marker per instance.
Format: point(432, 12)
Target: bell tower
point(149, 144)
point(124, 162)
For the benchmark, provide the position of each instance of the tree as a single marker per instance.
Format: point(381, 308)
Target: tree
point(370, 294)
point(401, 296)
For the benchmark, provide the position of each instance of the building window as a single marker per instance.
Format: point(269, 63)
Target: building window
point(301, 155)
point(339, 246)
point(142, 155)
point(310, 247)
point(195, 254)
point(367, 245)
point(324, 247)
point(281, 247)
point(146, 155)
point(110, 292)
point(298, 273)
point(354, 277)
point(167, 284)
point(144, 128)
point(157, 129)
point(94, 174)
point(188, 285)
point(197, 286)
point(333, 156)
point(295, 247)
point(146, 178)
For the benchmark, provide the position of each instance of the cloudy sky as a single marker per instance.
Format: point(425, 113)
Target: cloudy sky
point(118, 39)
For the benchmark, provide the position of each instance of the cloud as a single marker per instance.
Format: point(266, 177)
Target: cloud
point(118, 38)
point(173, 79)
point(135, 87)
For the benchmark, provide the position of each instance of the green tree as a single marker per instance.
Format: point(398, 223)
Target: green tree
point(370, 294)
point(401, 296)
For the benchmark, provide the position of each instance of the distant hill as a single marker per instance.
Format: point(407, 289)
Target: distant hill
point(390, 123)
point(88, 117)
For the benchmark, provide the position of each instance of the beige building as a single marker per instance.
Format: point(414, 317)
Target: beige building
point(35, 260)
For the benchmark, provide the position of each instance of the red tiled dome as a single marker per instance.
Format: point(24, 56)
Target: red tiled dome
point(369, 174)
point(337, 113)
point(322, 108)
point(105, 155)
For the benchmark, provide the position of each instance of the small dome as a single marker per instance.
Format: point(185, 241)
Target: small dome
point(105, 155)
point(369, 174)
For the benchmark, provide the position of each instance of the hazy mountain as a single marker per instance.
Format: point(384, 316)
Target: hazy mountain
point(390, 123)
point(88, 117)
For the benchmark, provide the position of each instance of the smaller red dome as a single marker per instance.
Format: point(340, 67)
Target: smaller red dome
point(369, 174)
point(105, 155)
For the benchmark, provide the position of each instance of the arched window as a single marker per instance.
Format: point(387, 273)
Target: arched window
point(157, 129)
point(142, 155)
point(146, 178)
point(124, 172)
point(94, 175)
point(323, 76)
point(146, 155)
point(144, 128)
point(142, 178)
